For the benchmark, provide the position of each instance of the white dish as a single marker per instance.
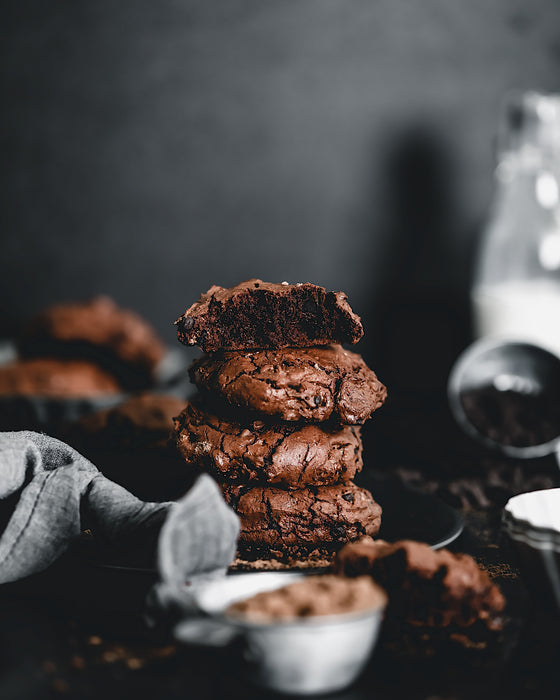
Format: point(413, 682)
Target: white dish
point(320, 654)
point(532, 521)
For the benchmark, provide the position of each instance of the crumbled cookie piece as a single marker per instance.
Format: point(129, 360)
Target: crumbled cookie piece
point(425, 586)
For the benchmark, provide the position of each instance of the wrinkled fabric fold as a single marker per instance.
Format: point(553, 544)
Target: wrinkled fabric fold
point(46, 517)
point(49, 494)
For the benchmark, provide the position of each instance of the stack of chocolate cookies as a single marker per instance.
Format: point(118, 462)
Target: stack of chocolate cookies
point(277, 417)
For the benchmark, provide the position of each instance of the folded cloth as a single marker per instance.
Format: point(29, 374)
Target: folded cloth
point(49, 494)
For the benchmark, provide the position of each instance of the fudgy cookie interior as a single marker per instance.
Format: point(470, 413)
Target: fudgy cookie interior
point(262, 315)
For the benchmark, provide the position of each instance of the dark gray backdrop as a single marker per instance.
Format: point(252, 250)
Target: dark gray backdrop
point(152, 148)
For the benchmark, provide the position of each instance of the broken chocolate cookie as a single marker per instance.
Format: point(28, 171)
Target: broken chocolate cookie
point(56, 378)
point(257, 314)
point(426, 587)
point(118, 339)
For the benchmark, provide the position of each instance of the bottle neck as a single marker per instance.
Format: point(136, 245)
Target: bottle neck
point(528, 170)
point(529, 135)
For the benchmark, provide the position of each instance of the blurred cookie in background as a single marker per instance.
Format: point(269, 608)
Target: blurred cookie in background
point(442, 604)
point(56, 378)
point(43, 392)
point(130, 444)
point(78, 358)
point(117, 339)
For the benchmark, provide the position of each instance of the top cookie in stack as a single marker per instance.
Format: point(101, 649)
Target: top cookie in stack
point(257, 314)
point(278, 414)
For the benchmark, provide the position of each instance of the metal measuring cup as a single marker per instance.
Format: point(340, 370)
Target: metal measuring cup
point(506, 366)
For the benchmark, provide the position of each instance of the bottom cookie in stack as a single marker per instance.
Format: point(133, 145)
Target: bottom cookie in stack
point(308, 523)
point(289, 483)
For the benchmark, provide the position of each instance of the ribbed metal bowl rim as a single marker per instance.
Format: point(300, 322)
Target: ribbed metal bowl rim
point(523, 531)
point(453, 395)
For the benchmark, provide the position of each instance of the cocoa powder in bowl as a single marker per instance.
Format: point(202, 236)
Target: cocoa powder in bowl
point(513, 418)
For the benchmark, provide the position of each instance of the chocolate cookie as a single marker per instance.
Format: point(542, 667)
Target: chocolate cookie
point(308, 522)
point(56, 378)
point(247, 449)
point(145, 420)
point(257, 314)
point(426, 587)
point(118, 339)
point(130, 444)
point(308, 383)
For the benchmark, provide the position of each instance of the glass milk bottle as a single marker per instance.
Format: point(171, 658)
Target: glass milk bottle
point(516, 289)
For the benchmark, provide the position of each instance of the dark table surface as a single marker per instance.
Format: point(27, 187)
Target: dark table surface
point(78, 631)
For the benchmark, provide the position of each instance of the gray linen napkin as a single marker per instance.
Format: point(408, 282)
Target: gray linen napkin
point(49, 493)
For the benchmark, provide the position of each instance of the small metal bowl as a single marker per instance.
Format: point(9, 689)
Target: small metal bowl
point(532, 521)
point(319, 654)
point(504, 364)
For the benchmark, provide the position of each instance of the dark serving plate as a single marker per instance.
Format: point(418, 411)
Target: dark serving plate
point(90, 575)
point(409, 514)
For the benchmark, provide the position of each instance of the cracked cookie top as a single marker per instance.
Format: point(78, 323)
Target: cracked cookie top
point(304, 384)
point(254, 450)
point(280, 523)
point(257, 314)
point(56, 378)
